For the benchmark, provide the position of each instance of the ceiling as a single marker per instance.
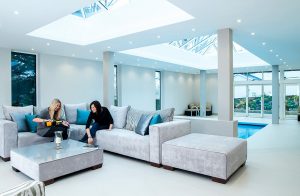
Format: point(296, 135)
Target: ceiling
point(274, 23)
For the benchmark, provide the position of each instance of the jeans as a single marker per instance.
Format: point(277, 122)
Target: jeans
point(93, 131)
point(64, 129)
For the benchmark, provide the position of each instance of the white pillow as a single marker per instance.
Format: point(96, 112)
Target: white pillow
point(119, 115)
point(15, 109)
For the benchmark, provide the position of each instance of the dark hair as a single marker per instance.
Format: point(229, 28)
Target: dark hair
point(97, 106)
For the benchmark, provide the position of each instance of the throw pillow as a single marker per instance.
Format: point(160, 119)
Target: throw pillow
point(82, 116)
point(133, 117)
point(71, 111)
point(142, 127)
point(31, 125)
point(119, 115)
point(156, 119)
point(7, 110)
point(19, 118)
point(166, 114)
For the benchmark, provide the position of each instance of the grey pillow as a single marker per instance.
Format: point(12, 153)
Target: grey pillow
point(142, 127)
point(166, 114)
point(7, 110)
point(20, 119)
point(71, 111)
point(119, 115)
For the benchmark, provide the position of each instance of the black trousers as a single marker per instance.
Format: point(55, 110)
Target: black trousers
point(64, 129)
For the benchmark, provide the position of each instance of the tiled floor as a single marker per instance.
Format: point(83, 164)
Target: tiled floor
point(272, 168)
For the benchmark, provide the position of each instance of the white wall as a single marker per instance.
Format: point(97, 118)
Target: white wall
point(5, 78)
point(196, 90)
point(212, 91)
point(177, 91)
point(69, 79)
point(137, 86)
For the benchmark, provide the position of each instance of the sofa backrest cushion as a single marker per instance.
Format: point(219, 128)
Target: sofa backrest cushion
point(133, 116)
point(7, 110)
point(71, 111)
point(32, 126)
point(82, 116)
point(119, 115)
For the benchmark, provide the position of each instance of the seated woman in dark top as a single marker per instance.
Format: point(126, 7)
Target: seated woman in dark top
point(52, 114)
point(102, 118)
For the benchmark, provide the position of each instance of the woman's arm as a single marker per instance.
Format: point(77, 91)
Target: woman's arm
point(40, 120)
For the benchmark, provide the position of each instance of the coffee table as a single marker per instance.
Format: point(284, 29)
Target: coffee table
point(43, 162)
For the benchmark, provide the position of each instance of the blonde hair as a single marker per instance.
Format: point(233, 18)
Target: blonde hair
point(55, 115)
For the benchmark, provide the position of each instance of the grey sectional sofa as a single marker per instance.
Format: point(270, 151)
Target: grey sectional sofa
point(121, 139)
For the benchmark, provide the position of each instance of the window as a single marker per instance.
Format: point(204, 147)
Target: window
point(240, 77)
point(267, 99)
point(267, 75)
point(255, 76)
point(254, 103)
point(292, 75)
point(291, 99)
point(240, 94)
point(23, 76)
point(116, 85)
point(158, 90)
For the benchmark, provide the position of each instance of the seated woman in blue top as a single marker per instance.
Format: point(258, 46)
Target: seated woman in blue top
point(102, 120)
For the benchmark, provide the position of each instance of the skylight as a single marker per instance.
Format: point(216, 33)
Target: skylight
point(204, 45)
point(96, 7)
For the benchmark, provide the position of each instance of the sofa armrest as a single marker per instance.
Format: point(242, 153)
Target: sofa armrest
point(8, 137)
point(163, 132)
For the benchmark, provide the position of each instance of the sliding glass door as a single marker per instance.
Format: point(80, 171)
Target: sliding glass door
point(254, 103)
point(240, 94)
point(267, 99)
point(291, 99)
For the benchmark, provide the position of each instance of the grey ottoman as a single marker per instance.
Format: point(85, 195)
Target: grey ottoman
point(215, 156)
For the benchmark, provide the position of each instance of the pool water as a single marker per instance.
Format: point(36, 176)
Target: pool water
point(247, 129)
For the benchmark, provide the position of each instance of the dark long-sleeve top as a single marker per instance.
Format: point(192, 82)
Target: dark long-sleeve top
point(103, 118)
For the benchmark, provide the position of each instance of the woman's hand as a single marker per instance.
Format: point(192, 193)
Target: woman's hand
point(90, 140)
point(66, 123)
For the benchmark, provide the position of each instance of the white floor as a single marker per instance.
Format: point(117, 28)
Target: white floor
point(272, 168)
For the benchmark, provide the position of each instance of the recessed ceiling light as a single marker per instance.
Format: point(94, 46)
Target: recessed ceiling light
point(253, 33)
point(91, 51)
point(48, 44)
point(114, 54)
point(138, 59)
point(284, 62)
point(277, 55)
point(32, 49)
point(158, 36)
point(264, 43)
point(239, 20)
point(138, 64)
point(108, 47)
point(121, 62)
point(16, 12)
point(130, 42)
point(271, 50)
point(97, 58)
point(280, 59)
point(193, 29)
point(73, 55)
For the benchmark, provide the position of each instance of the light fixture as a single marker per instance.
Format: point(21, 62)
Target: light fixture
point(277, 55)
point(271, 50)
point(73, 55)
point(91, 51)
point(252, 33)
point(130, 42)
point(16, 12)
point(97, 58)
point(138, 59)
point(158, 36)
point(239, 20)
point(32, 49)
point(280, 59)
point(138, 64)
point(284, 62)
point(108, 47)
point(121, 62)
point(193, 29)
point(264, 43)
point(48, 44)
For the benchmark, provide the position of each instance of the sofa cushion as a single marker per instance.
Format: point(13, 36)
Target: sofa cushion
point(71, 111)
point(124, 142)
point(76, 132)
point(156, 119)
point(35, 188)
point(133, 116)
point(82, 116)
point(20, 119)
point(119, 115)
point(32, 126)
point(7, 110)
point(28, 138)
point(142, 127)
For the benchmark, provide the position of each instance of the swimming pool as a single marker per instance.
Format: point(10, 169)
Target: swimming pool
point(247, 129)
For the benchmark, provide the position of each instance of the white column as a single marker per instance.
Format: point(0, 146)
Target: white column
point(202, 93)
point(225, 76)
point(275, 95)
point(108, 78)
